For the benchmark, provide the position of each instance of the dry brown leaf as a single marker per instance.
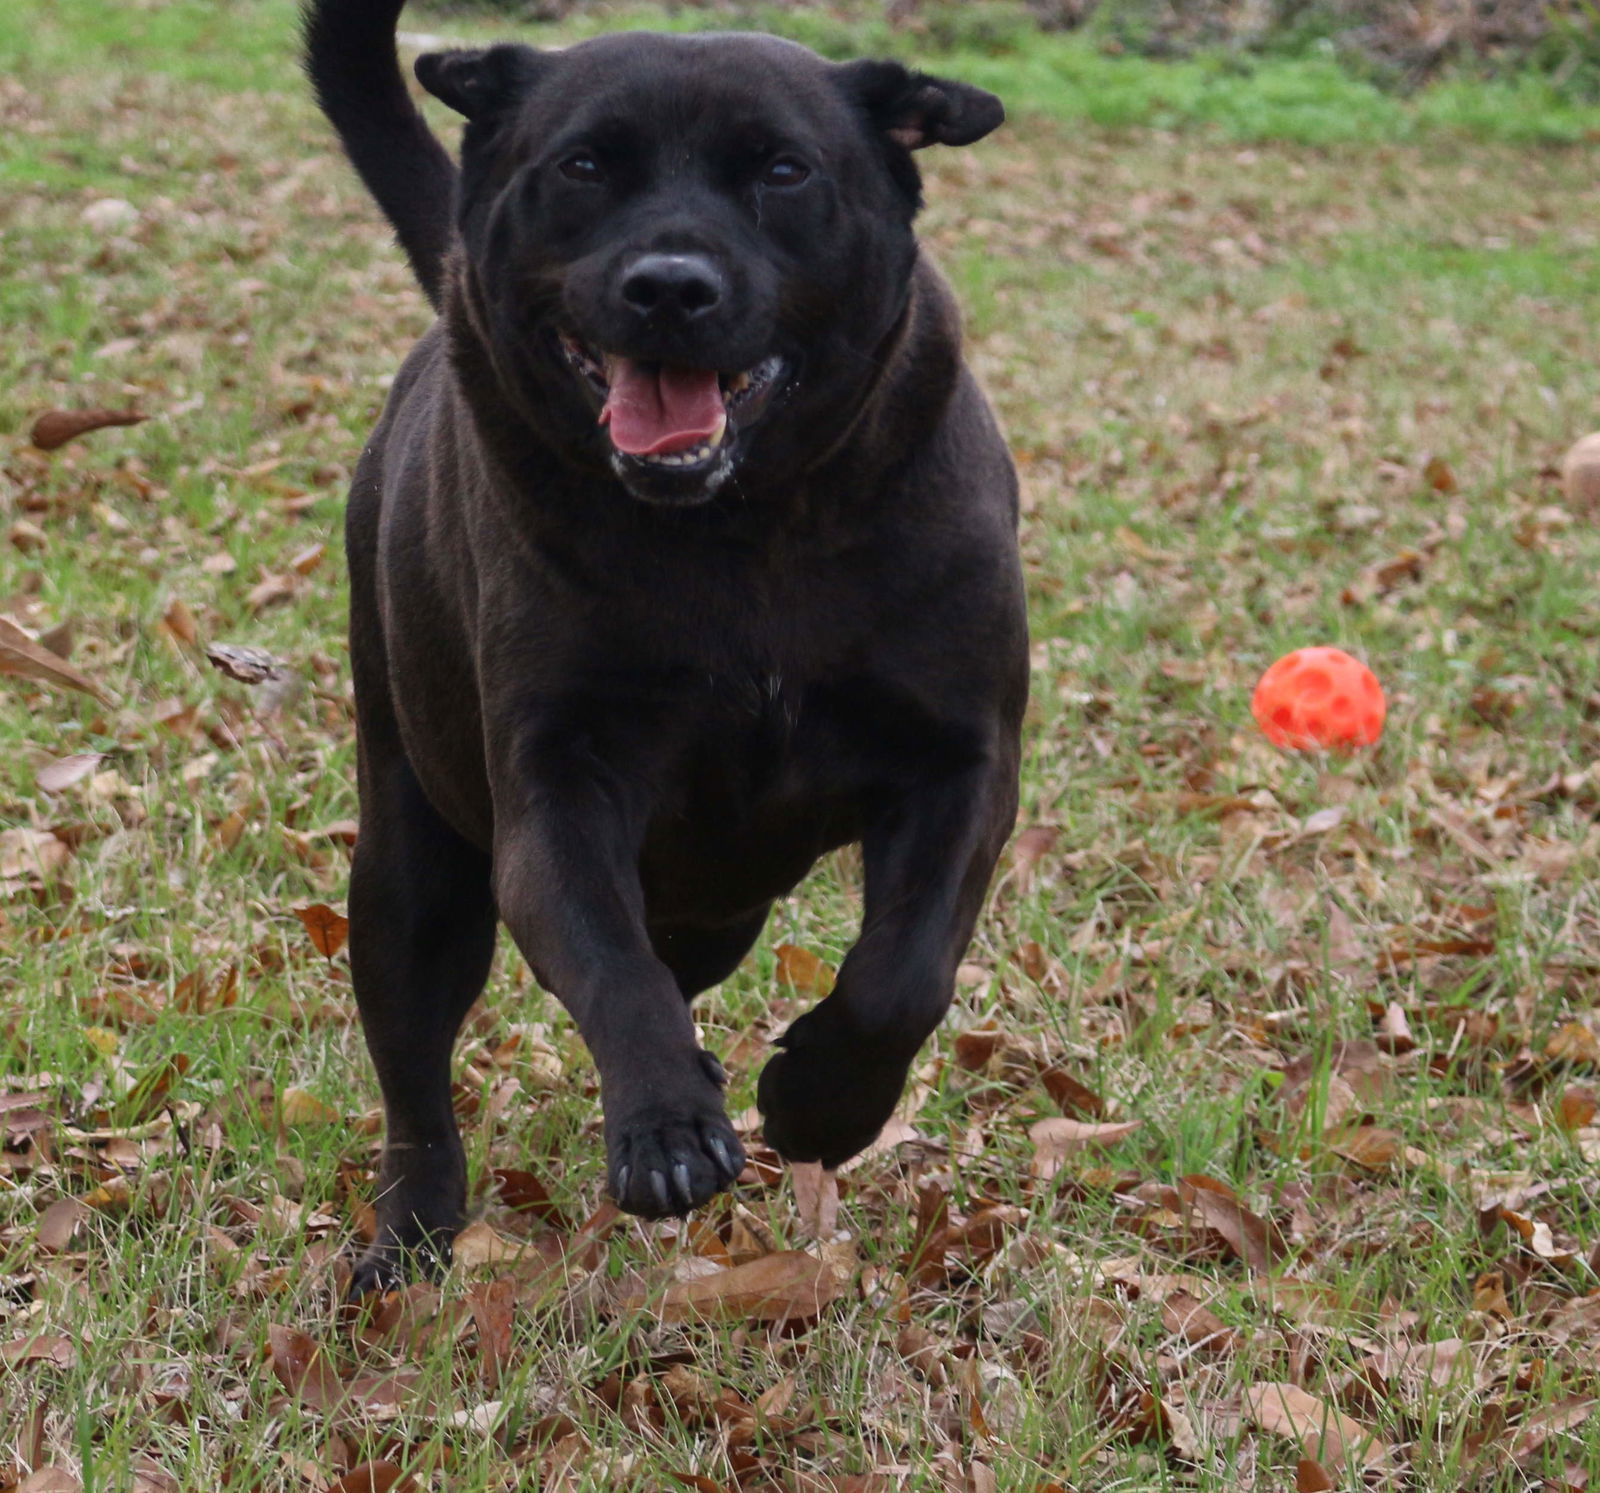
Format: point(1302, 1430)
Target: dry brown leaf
point(1031, 847)
point(1312, 1477)
point(1075, 1099)
point(269, 591)
point(790, 1285)
point(816, 1198)
point(1574, 1043)
point(245, 665)
point(1489, 1295)
point(50, 1480)
point(31, 854)
point(480, 1244)
point(1552, 1420)
point(374, 1477)
point(1437, 473)
point(59, 1222)
point(1056, 1139)
point(1368, 1146)
point(43, 1347)
point(22, 656)
point(179, 622)
point(1196, 1323)
point(63, 772)
point(302, 1368)
point(1578, 1108)
point(803, 970)
point(327, 929)
point(492, 1303)
point(300, 1108)
point(55, 428)
point(1326, 1435)
point(1251, 1238)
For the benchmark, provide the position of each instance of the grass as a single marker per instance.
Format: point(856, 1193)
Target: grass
point(1299, 386)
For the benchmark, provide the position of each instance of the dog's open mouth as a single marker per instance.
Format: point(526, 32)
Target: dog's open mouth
point(665, 416)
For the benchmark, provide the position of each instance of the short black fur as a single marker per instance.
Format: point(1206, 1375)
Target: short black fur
point(621, 691)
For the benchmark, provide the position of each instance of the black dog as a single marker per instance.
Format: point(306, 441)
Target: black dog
point(684, 552)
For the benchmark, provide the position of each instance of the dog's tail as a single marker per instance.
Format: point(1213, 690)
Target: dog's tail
point(351, 61)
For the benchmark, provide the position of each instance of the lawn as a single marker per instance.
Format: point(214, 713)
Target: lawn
point(1261, 1148)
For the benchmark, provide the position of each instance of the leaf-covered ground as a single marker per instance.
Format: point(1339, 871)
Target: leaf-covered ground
point(1261, 1148)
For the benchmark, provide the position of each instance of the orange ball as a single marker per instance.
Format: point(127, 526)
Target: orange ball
point(1319, 697)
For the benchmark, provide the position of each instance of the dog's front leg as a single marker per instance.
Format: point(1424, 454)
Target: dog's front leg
point(567, 883)
point(843, 1064)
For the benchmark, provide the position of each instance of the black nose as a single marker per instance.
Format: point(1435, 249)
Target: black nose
point(682, 286)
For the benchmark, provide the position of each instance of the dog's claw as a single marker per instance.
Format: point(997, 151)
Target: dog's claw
point(719, 1074)
point(680, 1183)
point(623, 1173)
point(658, 1185)
point(719, 1149)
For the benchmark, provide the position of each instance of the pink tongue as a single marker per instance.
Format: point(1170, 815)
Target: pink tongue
point(654, 408)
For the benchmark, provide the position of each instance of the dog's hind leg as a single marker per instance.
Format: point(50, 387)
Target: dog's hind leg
point(422, 935)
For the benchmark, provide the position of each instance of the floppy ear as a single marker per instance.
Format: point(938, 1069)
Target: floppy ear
point(916, 109)
point(480, 82)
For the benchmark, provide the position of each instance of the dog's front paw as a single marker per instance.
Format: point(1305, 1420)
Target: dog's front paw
point(665, 1159)
point(826, 1101)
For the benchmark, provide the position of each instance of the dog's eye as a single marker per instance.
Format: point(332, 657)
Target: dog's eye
point(581, 166)
point(784, 171)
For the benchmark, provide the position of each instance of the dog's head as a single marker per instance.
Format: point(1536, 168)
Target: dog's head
point(684, 251)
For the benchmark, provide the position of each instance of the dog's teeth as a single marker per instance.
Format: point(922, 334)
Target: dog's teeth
point(739, 383)
point(719, 432)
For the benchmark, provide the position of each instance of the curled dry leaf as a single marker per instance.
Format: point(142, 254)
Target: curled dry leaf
point(816, 1198)
point(788, 1286)
point(22, 656)
point(1250, 1237)
point(55, 428)
point(326, 928)
point(63, 772)
point(245, 665)
point(1074, 1098)
point(1056, 1139)
point(1326, 1435)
